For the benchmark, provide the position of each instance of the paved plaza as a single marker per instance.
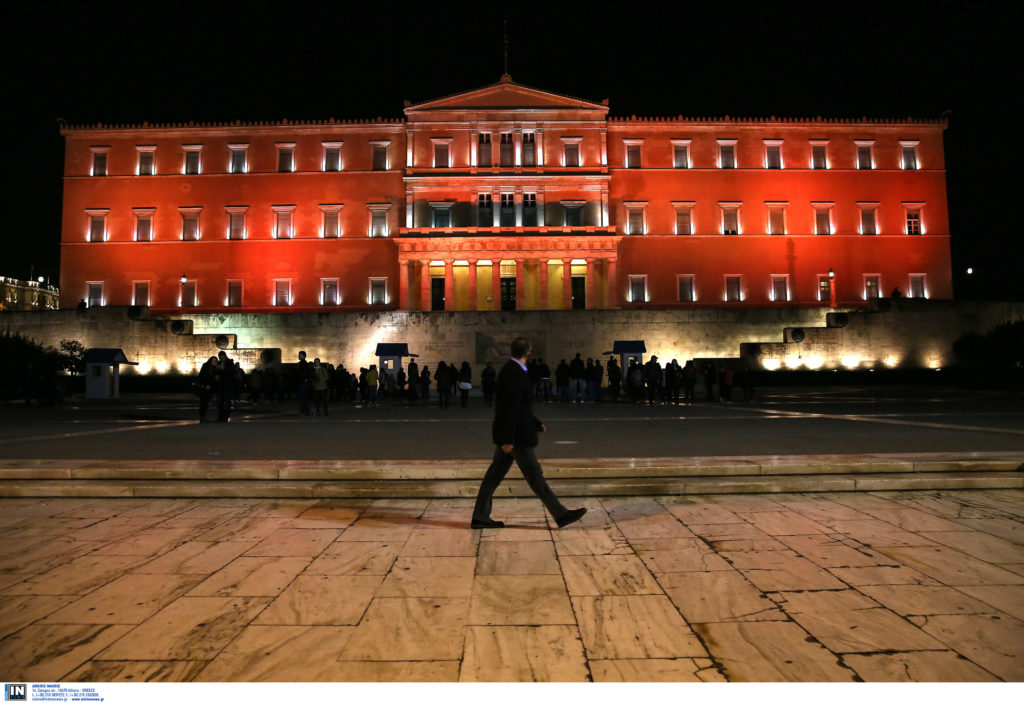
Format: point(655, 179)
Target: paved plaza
point(918, 586)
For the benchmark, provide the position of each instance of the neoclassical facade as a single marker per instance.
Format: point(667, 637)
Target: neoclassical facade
point(504, 198)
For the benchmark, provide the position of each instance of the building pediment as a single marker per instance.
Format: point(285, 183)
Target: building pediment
point(505, 95)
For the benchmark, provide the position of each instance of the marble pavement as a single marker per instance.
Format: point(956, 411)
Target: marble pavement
point(899, 586)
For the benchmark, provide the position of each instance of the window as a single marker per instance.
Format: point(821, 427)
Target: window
point(236, 222)
point(865, 157)
point(681, 153)
point(238, 162)
point(822, 218)
point(571, 155)
point(146, 157)
point(529, 209)
point(191, 166)
point(94, 296)
point(868, 218)
point(824, 288)
point(909, 154)
point(507, 215)
point(776, 218)
point(188, 294)
point(328, 291)
point(918, 285)
point(331, 221)
point(97, 224)
point(283, 225)
point(819, 157)
point(635, 217)
point(378, 291)
point(638, 289)
point(378, 219)
point(780, 288)
point(872, 286)
point(234, 299)
point(140, 293)
point(99, 160)
point(505, 151)
point(633, 152)
point(730, 218)
point(282, 292)
point(442, 153)
point(189, 223)
point(573, 213)
point(529, 149)
point(726, 153)
point(441, 214)
point(485, 210)
point(143, 224)
point(773, 153)
point(733, 292)
point(285, 157)
point(483, 149)
point(913, 218)
point(379, 155)
point(685, 284)
point(684, 217)
point(332, 156)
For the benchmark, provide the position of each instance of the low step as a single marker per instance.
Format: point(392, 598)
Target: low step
point(218, 478)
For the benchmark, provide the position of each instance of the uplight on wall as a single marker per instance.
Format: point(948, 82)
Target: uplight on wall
point(771, 364)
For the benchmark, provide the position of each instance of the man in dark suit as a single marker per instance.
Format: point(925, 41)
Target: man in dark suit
point(514, 433)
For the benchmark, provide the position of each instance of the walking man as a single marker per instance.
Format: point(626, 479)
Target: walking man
point(514, 433)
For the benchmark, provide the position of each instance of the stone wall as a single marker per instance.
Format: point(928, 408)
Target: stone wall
point(912, 333)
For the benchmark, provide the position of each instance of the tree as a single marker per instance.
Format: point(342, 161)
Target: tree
point(72, 356)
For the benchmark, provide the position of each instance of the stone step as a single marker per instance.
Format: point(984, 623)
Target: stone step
point(460, 479)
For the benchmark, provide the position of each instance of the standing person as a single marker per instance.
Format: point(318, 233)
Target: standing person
point(745, 380)
point(425, 383)
point(443, 378)
point(689, 381)
point(320, 377)
point(465, 383)
point(414, 379)
point(614, 379)
point(590, 381)
point(545, 381)
point(576, 373)
point(672, 382)
point(304, 383)
point(400, 381)
point(652, 374)
point(635, 380)
point(710, 374)
point(725, 388)
point(224, 380)
point(562, 381)
point(204, 386)
point(372, 383)
point(487, 383)
point(514, 434)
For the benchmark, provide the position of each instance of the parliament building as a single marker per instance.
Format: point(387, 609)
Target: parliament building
point(504, 198)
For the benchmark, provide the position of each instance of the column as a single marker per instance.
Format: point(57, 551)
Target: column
point(496, 207)
point(540, 206)
point(425, 285)
point(473, 141)
point(543, 284)
point(410, 205)
point(567, 284)
point(518, 204)
point(403, 285)
point(604, 206)
point(496, 283)
point(517, 146)
point(538, 136)
point(520, 284)
point(591, 274)
point(612, 284)
point(472, 284)
point(474, 202)
point(449, 284)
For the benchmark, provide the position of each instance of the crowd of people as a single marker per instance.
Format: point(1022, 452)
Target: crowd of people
point(316, 385)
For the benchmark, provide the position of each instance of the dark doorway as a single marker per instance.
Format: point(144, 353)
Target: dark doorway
point(508, 294)
point(579, 292)
point(437, 294)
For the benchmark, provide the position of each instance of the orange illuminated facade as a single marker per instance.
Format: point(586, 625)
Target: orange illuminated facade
point(505, 197)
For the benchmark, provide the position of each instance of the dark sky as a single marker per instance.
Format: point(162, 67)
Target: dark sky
point(96, 62)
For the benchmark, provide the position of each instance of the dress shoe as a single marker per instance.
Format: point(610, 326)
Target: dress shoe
point(571, 516)
point(481, 524)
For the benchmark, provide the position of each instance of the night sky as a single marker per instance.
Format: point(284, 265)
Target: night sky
point(96, 62)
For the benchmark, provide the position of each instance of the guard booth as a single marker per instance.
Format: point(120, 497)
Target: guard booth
point(390, 355)
point(102, 373)
point(631, 349)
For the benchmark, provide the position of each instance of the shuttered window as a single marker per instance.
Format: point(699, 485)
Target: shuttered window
point(732, 289)
point(283, 224)
point(910, 157)
point(332, 158)
point(529, 149)
point(686, 289)
point(440, 156)
point(282, 293)
point(633, 156)
point(188, 294)
point(822, 221)
point(824, 289)
point(572, 154)
point(95, 295)
point(773, 156)
point(918, 288)
point(780, 288)
point(529, 209)
point(379, 223)
point(864, 156)
point(867, 221)
point(638, 289)
point(285, 159)
point(380, 157)
point(506, 149)
point(913, 222)
point(727, 156)
point(485, 211)
point(378, 291)
point(776, 220)
point(483, 151)
point(332, 224)
point(146, 163)
point(681, 156)
point(234, 294)
point(140, 293)
point(237, 164)
point(97, 227)
point(329, 292)
point(99, 163)
point(191, 162)
point(818, 156)
point(636, 220)
point(189, 226)
point(684, 224)
point(237, 225)
point(143, 227)
point(872, 287)
point(730, 220)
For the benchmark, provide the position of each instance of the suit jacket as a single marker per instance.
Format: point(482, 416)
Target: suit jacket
point(514, 422)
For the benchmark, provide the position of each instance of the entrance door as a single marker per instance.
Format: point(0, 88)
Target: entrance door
point(437, 294)
point(579, 292)
point(508, 294)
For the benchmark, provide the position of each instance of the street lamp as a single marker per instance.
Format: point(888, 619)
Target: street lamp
point(831, 288)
